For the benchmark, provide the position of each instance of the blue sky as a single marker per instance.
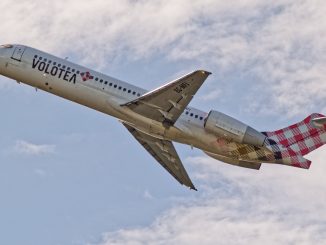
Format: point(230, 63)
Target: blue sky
point(71, 175)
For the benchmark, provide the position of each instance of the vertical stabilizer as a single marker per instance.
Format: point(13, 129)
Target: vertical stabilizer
point(290, 144)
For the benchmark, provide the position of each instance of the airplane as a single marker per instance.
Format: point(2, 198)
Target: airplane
point(159, 117)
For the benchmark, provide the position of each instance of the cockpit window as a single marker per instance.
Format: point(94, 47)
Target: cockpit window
point(6, 46)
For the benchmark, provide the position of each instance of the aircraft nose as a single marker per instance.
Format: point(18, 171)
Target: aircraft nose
point(4, 54)
point(4, 50)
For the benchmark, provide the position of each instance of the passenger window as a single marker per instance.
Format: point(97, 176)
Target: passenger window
point(101, 80)
point(40, 58)
point(196, 116)
point(78, 72)
point(134, 93)
point(201, 118)
point(106, 82)
point(191, 114)
point(138, 94)
point(187, 112)
point(59, 65)
point(73, 70)
point(54, 63)
point(68, 69)
point(63, 67)
point(96, 79)
point(124, 89)
point(50, 61)
point(115, 85)
point(110, 84)
point(119, 87)
point(35, 56)
point(45, 60)
point(129, 91)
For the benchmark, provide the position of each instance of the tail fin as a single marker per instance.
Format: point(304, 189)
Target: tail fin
point(299, 139)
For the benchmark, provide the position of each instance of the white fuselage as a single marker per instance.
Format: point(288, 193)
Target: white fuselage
point(103, 93)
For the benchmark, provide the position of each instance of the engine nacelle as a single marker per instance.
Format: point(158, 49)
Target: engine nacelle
point(229, 128)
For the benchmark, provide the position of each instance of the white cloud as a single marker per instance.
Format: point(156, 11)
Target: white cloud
point(40, 172)
point(278, 43)
point(212, 95)
point(147, 195)
point(276, 205)
point(24, 147)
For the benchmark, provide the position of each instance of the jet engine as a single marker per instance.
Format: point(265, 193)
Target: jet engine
point(229, 128)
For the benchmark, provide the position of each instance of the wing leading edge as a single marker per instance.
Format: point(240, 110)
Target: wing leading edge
point(164, 152)
point(165, 104)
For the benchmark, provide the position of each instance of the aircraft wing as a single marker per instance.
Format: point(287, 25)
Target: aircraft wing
point(165, 104)
point(164, 152)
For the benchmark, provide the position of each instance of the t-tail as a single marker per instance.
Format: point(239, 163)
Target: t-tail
point(290, 144)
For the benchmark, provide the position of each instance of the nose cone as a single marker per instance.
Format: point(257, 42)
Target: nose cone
point(5, 50)
point(5, 53)
point(2, 52)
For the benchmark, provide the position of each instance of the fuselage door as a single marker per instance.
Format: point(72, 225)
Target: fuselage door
point(18, 53)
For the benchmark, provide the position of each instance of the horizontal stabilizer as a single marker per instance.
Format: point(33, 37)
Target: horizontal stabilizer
point(319, 122)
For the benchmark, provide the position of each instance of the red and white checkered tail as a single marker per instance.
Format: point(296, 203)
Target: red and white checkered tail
point(299, 139)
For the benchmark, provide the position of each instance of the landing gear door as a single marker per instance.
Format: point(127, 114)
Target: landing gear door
point(18, 53)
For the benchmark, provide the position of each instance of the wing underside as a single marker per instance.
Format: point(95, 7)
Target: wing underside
point(164, 152)
point(165, 104)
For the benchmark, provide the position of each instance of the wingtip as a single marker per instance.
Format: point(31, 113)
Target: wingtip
point(192, 187)
point(205, 72)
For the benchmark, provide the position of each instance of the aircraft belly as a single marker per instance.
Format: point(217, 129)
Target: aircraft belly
point(92, 98)
point(14, 70)
point(154, 128)
point(147, 126)
point(199, 138)
point(210, 143)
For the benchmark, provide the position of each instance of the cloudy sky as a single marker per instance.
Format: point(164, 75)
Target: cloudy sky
point(70, 175)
